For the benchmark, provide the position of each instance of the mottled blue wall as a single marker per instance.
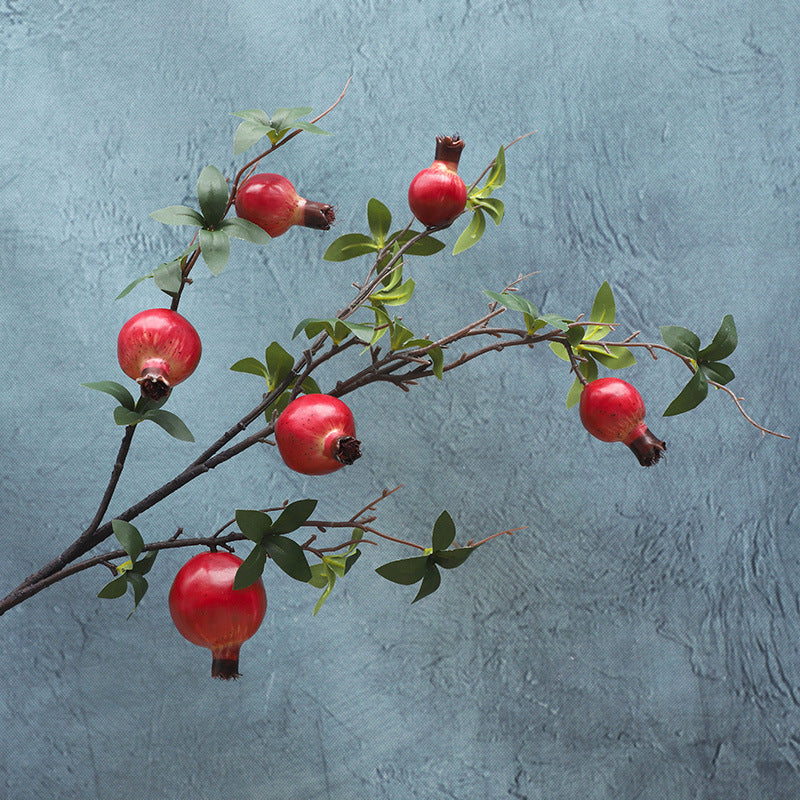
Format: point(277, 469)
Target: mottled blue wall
point(641, 639)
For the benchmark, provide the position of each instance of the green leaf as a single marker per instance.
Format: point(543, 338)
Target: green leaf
point(450, 559)
point(251, 569)
point(178, 215)
point(310, 127)
point(115, 588)
point(437, 361)
point(497, 174)
point(248, 133)
point(717, 371)
point(430, 582)
point(171, 423)
point(329, 577)
point(126, 416)
point(168, 277)
point(255, 525)
point(284, 118)
point(556, 320)
point(492, 206)
point(691, 395)
point(380, 220)
point(405, 571)
point(116, 390)
point(723, 343)
point(129, 537)
point(139, 584)
point(603, 310)
point(244, 229)
point(613, 358)
point(444, 531)
point(400, 336)
point(589, 371)
point(472, 233)
point(145, 563)
point(359, 330)
point(289, 556)
point(681, 340)
point(279, 364)
point(252, 366)
point(351, 245)
point(215, 247)
point(514, 302)
point(397, 296)
point(294, 515)
point(319, 575)
point(212, 194)
point(427, 246)
point(253, 114)
point(132, 285)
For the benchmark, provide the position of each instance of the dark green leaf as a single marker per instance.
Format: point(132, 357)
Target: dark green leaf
point(514, 302)
point(309, 386)
point(717, 371)
point(168, 277)
point(279, 364)
point(248, 133)
point(405, 571)
point(681, 340)
point(116, 390)
point(129, 537)
point(450, 559)
point(351, 559)
point(145, 563)
point(212, 194)
point(472, 233)
point(430, 582)
point(380, 220)
point(253, 524)
point(723, 343)
point(294, 515)
point(115, 588)
point(444, 531)
point(251, 569)
point(691, 395)
point(351, 245)
point(178, 215)
point(437, 361)
point(400, 336)
point(215, 247)
point(125, 416)
point(252, 366)
point(426, 246)
point(171, 423)
point(613, 358)
point(139, 584)
point(244, 229)
point(576, 335)
point(289, 556)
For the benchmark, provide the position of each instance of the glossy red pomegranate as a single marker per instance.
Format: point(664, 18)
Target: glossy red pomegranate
point(437, 194)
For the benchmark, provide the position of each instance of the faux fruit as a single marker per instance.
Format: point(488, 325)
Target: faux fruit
point(271, 202)
point(209, 612)
point(437, 194)
point(159, 349)
point(613, 411)
point(316, 434)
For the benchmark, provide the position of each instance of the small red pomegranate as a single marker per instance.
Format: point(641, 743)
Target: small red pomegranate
point(613, 411)
point(316, 435)
point(158, 348)
point(209, 612)
point(271, 202)
point(437, 194)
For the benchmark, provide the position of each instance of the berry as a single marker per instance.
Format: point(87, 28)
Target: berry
point(316, 435)
point(271, 202)
point(159, 349)
point(437, 195)
point(209, 612)
point(613, 411)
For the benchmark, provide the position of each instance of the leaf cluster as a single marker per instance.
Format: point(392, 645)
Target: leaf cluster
point(256, 124)
point(131, 572)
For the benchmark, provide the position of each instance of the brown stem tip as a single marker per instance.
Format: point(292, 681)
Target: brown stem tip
point(154, 386)
point(225, 668)
point(347, 450)
point(448, 148)
point(647, 448)
point(318, 215)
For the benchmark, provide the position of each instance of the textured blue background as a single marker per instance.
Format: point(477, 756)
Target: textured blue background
point(640, 638)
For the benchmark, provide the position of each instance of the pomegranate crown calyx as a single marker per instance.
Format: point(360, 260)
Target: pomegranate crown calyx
point(448, 148)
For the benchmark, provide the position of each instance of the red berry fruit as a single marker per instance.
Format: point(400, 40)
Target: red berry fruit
point(209, 612)
point(158, 348)
point(437, 194)
point(316, 435)
point(271, 202)
point(613, 411)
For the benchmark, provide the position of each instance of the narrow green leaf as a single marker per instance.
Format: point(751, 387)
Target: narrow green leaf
point(330, 582)
point(171, 423)
point(168, 277)
point(497, 174)
point(309, 127)
point(125, 416)
point(603, 310)
point(215, 247)
point(115, 588)
point(129, 537)
point(351, 245)
point(472, 233)
point(723, 343)
point(116, 390)
point(289, 556)
point(589, 371)
point(437, 361)
point(405, 571)
point(139, 584)
point(690, 396)
point(450, 559)
point(178, 215)
point(244, 229)
point(444, 531)
point(212, 195)
point(294, 515)
point(430, 582)
point(681, 340)
point(279, 364)
point(132, 285)
point(514, 302)
point(248, 133)
point(397, 296)
point(251, 569)
point(252, 366)
point(717, 371)
point(380, 219)
point(255, 525)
